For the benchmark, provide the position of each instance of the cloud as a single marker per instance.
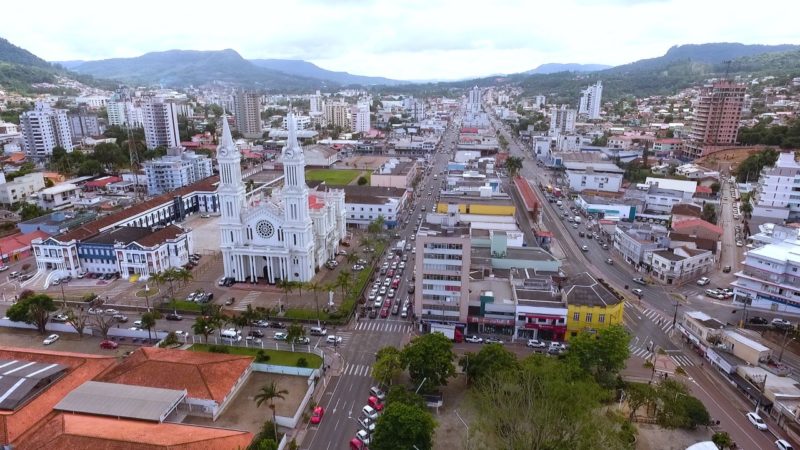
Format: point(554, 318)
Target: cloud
point(418, 39)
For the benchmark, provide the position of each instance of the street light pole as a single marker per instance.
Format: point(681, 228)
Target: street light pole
point(675, 315)
point(785, 341)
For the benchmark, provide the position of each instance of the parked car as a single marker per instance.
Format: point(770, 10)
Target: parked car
point(110, 312)
point(256, 333)
point(757, 421)
point(363, 436)
point(174, 316)
point(332, 339)
point(120, 318)
point(279, 336)
point(780, 323)
point(110, 345)
point(782, 444)
point(375, 403)
point(757, 320)
point(726, 269)
point(492, 340)
point(639, 280)
point(535, 343)
point(703, 281)
point(316, 416)
point(61, 318)
point(369, 412)
point(277, 325)
point(50, 339)
point(474, 340)
point(376, 391)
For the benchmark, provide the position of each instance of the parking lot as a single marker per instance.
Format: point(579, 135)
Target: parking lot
point(67, 342)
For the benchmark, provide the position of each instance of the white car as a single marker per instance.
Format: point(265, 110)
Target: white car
point(703, 281)
point(363, 436)
point(137, 323)
point(585, 248)
point(534, 343)
point(638, 292)
point(333, 339)
point(50, 339)
point(111, 312)
point(181, 333)
point(781, 323)
point(474, 340)
point(757, 421)
point(782, 444)
point(279, 336)
point(59, 318)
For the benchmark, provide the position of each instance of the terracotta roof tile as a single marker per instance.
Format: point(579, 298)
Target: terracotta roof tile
point(204, 375)
point(76, 431)
point(693, 223)
point(159, 236)
point(82, 368)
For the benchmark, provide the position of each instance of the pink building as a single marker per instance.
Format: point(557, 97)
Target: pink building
point(716, 118)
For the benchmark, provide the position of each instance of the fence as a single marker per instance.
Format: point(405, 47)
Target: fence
point(284, 370)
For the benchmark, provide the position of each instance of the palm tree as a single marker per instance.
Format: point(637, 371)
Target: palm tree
point(513, 166)
point(250, 185)
point(149, 321)
point(184, 276)
point(287, 287)
point(269, 393)
point(344, 280)
point(202, 326)
point(316, 288)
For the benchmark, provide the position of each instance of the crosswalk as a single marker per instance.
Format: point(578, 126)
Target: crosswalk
point(357, 370)
point(662, 321)
point(241, 305)
point(641, 352)
point(385, 326)
point(681, 360)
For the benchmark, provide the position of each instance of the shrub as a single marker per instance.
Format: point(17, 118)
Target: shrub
point(262, 357)
point(218, 349)
point(170, 340)
point(362, 181)
point(301, 362)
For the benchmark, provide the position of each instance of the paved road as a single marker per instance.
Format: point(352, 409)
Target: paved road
point(348, 390)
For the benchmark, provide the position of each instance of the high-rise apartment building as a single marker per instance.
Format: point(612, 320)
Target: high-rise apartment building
point(317, 104)
point(777, 195)
point(248, 114)
point(591, 99)
point(441, 298)
point(474, 100)
point(716, 118)
point(160, 124)
point(44, 128)
point(83, 124)
point(338, 114)
point(562, 120)
point(360, 119)
point(177, 169)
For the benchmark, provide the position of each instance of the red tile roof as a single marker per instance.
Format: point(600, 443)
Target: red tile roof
point(92, 228)
point(17, 243)
point(103, 182)
point(82, 368)
point(159, 236)
point(693, 223)
point(703, 190)
point(208, 376)
point(76, 431)
point(315, 202)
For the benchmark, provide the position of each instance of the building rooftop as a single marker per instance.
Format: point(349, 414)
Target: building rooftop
point(122, 401)
point(692, 223)
point(21, 380)
point(744, 340)
point(58, 189)
point(668, 183)
point(582, 289)
point(204, 375)
point(705, 319)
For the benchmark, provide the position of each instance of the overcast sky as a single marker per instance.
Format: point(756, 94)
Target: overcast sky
point(410, 39)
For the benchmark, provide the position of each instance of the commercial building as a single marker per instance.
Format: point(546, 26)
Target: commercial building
point(776, 196)
point(303, 122)
point(598, 177)
point(591, 100)
point(395, 173)
point(248, 113)
point(178, 168)
point(443, 252)
point(160, 124)
point(606, 208)
point(44, 128)
point(364, 204)
point(661, 200)
point(474, 100)
point(680, 265)
point(541, 310)
point(562, 121)
point(60, 196)
point(698, 228)
point(769, 276)
point(636, 242)
point(666, 148)
point(21, 188)
point(591, 305)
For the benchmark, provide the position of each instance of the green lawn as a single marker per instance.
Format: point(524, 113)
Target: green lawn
point(182, 305)
point(276, 357)
point(334, 177)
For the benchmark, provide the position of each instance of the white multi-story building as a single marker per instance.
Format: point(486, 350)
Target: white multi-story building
point(562, 121)
point(770, 276)
point(474, 100)
point(366, 203)
point(539, 101)
point(777, 196)
point(443, 249)
point(57, 197)
point(284, 236)
point(177, 169)
point(92, 101)
point(680, 265)
point(662, 200)
point(338, 114)
point(21, 188)
point(116, 112)
point(44, 128)
point(160, 124)
point(591, 99)
point(636, 242)
point(601, 178)
point(303, 122)
point(317, 104)
point(360, 120)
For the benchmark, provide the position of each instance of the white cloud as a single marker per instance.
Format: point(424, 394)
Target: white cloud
point(413, 39)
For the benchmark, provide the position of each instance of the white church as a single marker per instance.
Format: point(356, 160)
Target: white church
point(288, 235)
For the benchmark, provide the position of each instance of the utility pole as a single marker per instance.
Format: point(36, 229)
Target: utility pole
point(675, 315)
point(785, 341)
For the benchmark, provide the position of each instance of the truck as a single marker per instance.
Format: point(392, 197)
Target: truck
point(578, 219)
point(557, 192)
point(398, 248)
point(450, 331)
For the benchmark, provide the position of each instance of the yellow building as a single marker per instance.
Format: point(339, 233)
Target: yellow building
point(488, 208)
point(590, 305)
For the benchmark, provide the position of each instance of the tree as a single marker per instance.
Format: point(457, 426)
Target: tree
point(488, 362)
point(182, 275)
point(678, 409)
point(148, 321)
point(344, 280)
point(78, 320)
point(513, 165)
point(34, 309)
point(362, 181)
point(30, 211)
point(746, 208)
point(709, 213)
point(429, 357)
point(316, 287)
point(203, 327)
point(602, 355)
point(287, 287)
point(294, 332)
point(403, 426)
point(715, 186)
point(376, 226)
point(388, 365)
point(102, 323)
point(400, 394)
point(250, 185)
point(268, 393)
point(722, 440)
point(638, 395)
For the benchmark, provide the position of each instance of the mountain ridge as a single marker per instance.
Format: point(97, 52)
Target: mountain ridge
point(566, 67)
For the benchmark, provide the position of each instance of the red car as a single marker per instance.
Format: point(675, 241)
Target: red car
point(384, 312)
point(316, 416)
point(110, 345)
point(375, 403)
point(356, 444)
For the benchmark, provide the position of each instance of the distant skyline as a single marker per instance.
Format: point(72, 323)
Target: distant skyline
point(411, 40)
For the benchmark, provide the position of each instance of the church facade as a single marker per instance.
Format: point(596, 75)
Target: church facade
point(286, 235)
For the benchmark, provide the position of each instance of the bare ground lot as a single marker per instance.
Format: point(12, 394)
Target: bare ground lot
point(653, 437)
point(242, 413)
point(361, 162)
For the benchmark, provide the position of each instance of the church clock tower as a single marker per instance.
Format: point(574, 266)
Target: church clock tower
point(297, 224)
point(231, 194)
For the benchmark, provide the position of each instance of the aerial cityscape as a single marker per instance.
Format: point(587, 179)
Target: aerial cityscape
point(460, 227)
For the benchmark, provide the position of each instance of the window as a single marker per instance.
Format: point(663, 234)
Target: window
point(576, 316)
point(588, 317)
point(601, 318)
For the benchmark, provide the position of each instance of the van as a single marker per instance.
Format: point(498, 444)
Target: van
point(318, 331)
point(230, 333)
